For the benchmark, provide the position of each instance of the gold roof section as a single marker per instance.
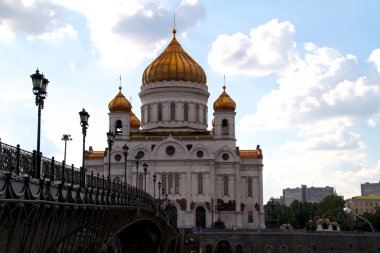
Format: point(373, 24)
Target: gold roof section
point(134, 121)
point(119, 103)
point(93, 155)
point(251, 154)
point(224, 103)
point(174, 64)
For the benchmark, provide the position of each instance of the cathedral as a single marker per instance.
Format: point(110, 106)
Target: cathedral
point(199, 174)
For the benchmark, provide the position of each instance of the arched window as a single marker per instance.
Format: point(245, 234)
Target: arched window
point(164, 186)
point(159, 114)
point(239, 249)
point(118, 127)
point(225, 185)
point(249, 187)
point(200, 183)
point(197, 113)
point(176, 183)
point(225, 128)
point(205, 115)
point(170, 188)
point(141, 181)
point(143, 114)
point(172, 111)
point(149, 113)
point(185, 112)
point(250, 216)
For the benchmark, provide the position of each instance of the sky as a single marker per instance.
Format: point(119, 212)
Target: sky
point(305, 76)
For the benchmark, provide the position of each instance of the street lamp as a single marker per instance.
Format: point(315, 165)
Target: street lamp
point(348, 211)
point(145, 170)
point(154, 186)
point(40, 84)
point(125, 148)
point(137, 158)
point(110, 136)
point(159, 190)
point(65, 138)
point(83, 115)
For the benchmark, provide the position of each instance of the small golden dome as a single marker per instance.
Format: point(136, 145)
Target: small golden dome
point(119, 103)
point(224, 103)
point(174, 64)
point(134, 121)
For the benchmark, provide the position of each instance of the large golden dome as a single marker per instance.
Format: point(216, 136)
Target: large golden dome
point(174, 64)
point(224, 103)
point(119, 103)
point(134, 121)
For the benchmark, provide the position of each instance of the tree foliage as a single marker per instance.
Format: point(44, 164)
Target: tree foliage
point(304, 214)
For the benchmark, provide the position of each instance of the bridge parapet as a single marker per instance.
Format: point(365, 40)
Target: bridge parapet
point(55, 212)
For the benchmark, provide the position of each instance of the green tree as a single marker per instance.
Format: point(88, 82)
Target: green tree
point(331, 207)
point(302, 212)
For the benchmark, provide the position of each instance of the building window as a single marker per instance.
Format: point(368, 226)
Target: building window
point(149, 113)
point(143, 114)
point(225, 128)
point(250, 216)
point(197, 113)
point(249, 185)
point(225, 185)
point(176, 183)
point(170, 179)
point(118, 127)
point(200, 183)
point(205, 115)
point(163, 183)
point(185, 112)
point(159, 114)
point(141, 181)
point(172, 111)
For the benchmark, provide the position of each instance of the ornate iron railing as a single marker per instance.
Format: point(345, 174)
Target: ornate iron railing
point(61, 183)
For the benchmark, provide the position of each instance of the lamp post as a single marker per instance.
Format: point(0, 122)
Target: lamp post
point(40, 84)
point(137, 158)
point(110, 136)
point(125, 148)
point(154, 186)
point(83, 115)
point(348, 211)
point(145, 166)
point(65, 138)
point(159, 190)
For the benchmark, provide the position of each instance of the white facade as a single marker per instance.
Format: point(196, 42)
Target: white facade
point(195, 166)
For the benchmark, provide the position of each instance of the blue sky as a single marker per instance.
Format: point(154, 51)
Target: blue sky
point(305, 76)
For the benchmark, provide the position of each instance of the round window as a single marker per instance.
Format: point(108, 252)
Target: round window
point(140, 154)
point(170, 150)
point(200, 153)
point(117, 157)
point(225, 156)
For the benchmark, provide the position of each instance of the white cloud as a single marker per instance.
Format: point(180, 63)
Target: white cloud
point(267, 49)
point(56, 35)
point(6, 32)
point(375, 58)
point(319, 102)
point(129, 31)
point(34, 19)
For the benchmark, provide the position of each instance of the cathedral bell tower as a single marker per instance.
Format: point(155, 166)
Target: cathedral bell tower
point(120, 116)
point(224, 116)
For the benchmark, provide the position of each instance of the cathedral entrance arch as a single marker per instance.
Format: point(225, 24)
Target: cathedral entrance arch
point(172, 211)
point(223, 247)
point(200, 217)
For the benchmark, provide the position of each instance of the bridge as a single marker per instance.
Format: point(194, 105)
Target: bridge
point(70, 210)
